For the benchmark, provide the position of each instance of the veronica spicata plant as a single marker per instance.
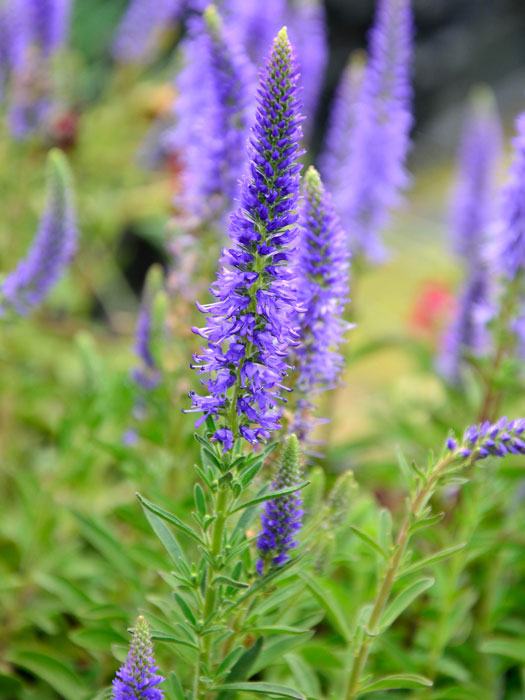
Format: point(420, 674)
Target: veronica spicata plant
point(52, 249)
point(322, 271)
point(223, 592)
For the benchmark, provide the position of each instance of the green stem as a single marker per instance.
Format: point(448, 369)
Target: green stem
point(416, 507)
point(204, 658)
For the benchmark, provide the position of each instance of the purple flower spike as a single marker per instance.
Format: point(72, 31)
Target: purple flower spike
point(138, 678)
point(511, 236)
point(322, 269)
point(335, 159)
point(283, 516)
point(251, 327)
point(490, 440)
point(52, 249)
point(381, 136)
point(213, 113)
point(140, 27)
point(472, 215)
point(480, 151)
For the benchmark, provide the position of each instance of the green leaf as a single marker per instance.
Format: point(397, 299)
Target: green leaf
point(373, 544)
point(97, 638)
point(172, 639)
point(103, 541)
point(268, 497)
point(230, 582)
point(170, 518)
point(59, 676)
point(422, 523)
point(187, 611)
point(200, 500)
point(271, 689)
point(242, 667)
point(175, 686)
point(278, 629)
point(331, 607)
point(403, 600)
point(398, 681)
point(169, 541)
point(431, 559)
point(510, 647)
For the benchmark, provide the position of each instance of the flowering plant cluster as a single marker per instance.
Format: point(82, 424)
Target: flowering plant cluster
point(268, 548)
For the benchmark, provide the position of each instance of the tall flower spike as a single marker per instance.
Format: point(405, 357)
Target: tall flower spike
point(53, 246)
point(214, 111)
point(335, 160)
point(381, 137)
point(138, 678)
point(322, 269)
point(250, 326)
point(471, 218)
point(282, 517)
point(480, 151)
point(511, 233)
point(141, 26)
point(490, 439)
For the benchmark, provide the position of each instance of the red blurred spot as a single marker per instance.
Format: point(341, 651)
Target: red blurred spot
point(432, 309)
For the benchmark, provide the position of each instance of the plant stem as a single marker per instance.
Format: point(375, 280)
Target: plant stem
point(210, 597)
point(415, 508)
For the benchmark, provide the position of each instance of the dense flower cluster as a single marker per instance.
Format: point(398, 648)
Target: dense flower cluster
point(322, 269)
point(138, 678)
point(33, 31)
point(250, 326)
point(213, 113)
point(282, 517)
point(140, 27)
point(490, 439)
point(381, 134)
point(53, 246)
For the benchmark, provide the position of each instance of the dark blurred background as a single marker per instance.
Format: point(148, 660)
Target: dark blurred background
point(460, 43)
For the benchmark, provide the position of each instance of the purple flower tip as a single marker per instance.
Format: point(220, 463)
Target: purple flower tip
point(138, 678)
